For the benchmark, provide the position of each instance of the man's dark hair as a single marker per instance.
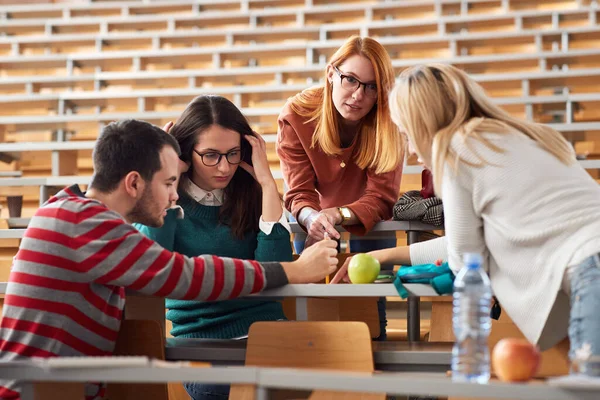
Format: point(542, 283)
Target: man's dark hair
point(126, 146)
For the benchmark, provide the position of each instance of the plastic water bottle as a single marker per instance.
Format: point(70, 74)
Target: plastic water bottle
point(471, 322)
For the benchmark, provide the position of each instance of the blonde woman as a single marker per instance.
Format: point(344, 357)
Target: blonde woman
point(341, 154)
point(514, 192)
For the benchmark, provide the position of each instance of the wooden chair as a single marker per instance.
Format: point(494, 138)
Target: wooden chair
point(341, 346)
point(139, 338)
point(145, 338)
point(58, 391)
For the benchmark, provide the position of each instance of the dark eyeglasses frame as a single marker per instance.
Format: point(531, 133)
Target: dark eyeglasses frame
point(221, 155)
point(360, 83)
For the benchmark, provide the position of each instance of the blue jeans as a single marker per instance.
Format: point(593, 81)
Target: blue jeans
point(364, 246)
point(584, 324)
point(206, 391)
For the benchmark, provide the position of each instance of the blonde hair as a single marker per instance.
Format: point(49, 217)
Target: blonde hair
point(379, 143)
point(432, 103)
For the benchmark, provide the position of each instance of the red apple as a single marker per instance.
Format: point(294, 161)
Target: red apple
point(515, 360)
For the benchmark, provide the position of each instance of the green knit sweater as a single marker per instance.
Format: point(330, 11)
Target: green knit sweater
point(200, 232)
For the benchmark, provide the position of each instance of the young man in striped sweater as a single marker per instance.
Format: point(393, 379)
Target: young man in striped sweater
point(66, 290)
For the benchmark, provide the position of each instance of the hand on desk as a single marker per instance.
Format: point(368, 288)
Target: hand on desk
point(314, 263)
point(342, 274)
point(395, 256)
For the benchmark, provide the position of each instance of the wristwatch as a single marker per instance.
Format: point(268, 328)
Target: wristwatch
point(345, 214)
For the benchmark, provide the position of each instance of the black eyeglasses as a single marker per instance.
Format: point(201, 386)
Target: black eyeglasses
point(350, 83)
point(212, 158)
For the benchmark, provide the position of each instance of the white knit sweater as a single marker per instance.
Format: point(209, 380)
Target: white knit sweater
point(531, 216)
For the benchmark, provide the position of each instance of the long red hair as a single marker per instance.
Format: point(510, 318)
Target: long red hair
point(379, 142)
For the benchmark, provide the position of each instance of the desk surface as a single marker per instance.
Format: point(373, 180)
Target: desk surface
point(397, 356)
point(379, 228)
point(391, 383)
point(346, 290)
point(151, 373)
point(419, 383)
point(323, 290)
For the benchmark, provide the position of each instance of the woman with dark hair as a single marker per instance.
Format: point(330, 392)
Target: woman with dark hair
point(231, 208)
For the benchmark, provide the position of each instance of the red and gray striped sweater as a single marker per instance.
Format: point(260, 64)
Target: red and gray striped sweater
point(66, 290)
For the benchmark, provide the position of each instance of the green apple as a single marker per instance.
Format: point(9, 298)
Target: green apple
point(363, 268)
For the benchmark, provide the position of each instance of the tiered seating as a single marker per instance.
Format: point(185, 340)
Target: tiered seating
point(68, 69)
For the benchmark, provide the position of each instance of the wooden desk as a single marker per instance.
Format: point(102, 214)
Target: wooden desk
point(265, 379)
point(387, 229)
point(153, 308)
point(147, 307)
point(388, 356)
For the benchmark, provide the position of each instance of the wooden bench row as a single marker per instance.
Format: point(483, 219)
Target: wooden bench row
point(229, 81)
point(413, 35)
point(543, 37)
point(264, 120)
point(309, 54)
point(515, 13)
point(133, 8)
point(49, 156)
point(254, 101)
point(33, 191)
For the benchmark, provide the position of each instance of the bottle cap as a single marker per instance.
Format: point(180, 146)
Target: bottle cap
point(472, 260)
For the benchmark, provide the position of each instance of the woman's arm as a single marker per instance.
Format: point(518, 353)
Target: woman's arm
point(297, 169)
point(376, 204)
point(274, 236)
point(272, 210)
point(299, 175)
point(463, 227)
point(275, 246)
point(427, 252)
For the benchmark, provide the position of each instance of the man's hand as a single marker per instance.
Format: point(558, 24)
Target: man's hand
point(314, 264)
